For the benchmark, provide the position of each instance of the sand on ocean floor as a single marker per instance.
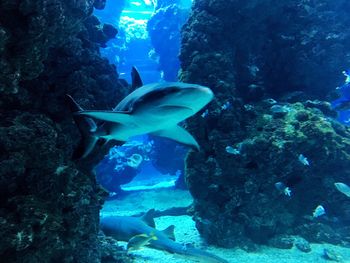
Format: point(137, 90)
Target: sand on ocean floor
point(186, 233)
point(137, 202)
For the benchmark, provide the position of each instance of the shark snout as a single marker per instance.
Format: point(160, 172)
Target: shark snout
point(206, 93)
point(199, 96)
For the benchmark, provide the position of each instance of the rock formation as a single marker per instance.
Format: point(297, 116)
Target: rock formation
point(50, 205)
point(252, 53)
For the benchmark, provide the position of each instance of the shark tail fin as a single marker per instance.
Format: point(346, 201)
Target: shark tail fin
point(86, 126)
point(169, 232)
point(148, 218)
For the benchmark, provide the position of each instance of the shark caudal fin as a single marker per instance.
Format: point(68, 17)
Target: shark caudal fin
point(86, 126)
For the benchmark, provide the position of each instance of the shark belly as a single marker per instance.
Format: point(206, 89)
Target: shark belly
point(141, 124)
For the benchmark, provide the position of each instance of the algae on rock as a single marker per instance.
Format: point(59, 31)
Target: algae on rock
point(250, 54)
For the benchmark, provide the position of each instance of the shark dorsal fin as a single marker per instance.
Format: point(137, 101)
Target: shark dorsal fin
point(136, 80)
point(148, 218)
point(169, 232)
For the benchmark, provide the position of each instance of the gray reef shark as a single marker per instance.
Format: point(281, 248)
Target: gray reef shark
point(154, 109)
point(125, 228)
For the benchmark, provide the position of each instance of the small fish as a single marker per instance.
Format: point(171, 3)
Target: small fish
point(205, 113)
point(253, 69)
point(287, 191)
point(280, 108)
point(319, 211)
point(231, 150)
point(138, 241)
point(248, 107)
point(282, 188)
point(343, 188)
point(346, 73)
point(227, 105)
point(112, 194)
point(270, 101)
point(303, 160)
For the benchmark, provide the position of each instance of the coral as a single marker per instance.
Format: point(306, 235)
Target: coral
point(282, 242)
point(164, 30)
point(271, 47)
point(122, 164)
point(100, 4)
point(252, 54)
point(100, 33)
point(135, 29)
point(241, 187)
point(303, 245)
point(111, 252)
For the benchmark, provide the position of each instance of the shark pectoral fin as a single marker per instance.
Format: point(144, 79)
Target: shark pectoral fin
point(169, 232)
point(85, 147)
point(111, 116)
point(179, 135)
point(148, 218)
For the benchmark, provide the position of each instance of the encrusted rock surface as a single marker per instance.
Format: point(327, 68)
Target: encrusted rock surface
point(268, 46)
point(164, 31)
point(50, 205)
point(248, 51)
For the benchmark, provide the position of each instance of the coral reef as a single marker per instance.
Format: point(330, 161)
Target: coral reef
point(50, 205)
point(242, 201)
point(164, 31)
point(268, 47)
point(122, 164)
point(111, 252)
point(258, 51)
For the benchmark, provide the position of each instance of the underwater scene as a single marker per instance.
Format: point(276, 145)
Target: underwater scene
point(174, 131)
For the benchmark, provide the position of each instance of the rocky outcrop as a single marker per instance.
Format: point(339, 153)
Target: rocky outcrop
point(50, 205)
point(164, 30)
point(248, 52)
point(268, 47)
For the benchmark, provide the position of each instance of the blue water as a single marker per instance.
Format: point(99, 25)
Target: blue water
point(133, 38)
point(133, 47)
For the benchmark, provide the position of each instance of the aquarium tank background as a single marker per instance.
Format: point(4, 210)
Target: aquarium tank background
point(149, 39)
point(257, 90)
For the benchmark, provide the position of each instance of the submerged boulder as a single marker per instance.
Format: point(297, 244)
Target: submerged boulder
point(241, 188)
point(50, 204)
point(249, 52)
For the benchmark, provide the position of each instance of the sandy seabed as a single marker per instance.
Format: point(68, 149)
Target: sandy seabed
point(186, 233)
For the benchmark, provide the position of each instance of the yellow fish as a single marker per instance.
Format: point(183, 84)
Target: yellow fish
point(138, 241)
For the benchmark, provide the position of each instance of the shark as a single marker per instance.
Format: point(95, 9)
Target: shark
point(155, 109)
point(127, 228)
